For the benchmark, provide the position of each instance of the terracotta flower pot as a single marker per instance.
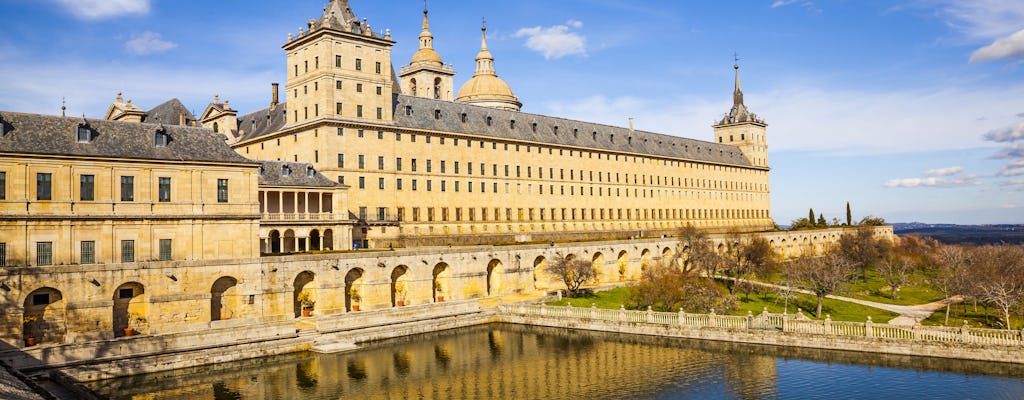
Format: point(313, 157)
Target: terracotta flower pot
point(401, 303)
point(307, 312)
point(129, 331)
point(355, 307)
point(440, 299)
point(30, 341)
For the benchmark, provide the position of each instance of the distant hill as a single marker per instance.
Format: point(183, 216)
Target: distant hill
point(964, 234)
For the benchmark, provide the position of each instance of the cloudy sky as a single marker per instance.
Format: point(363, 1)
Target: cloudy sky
point(911, 110)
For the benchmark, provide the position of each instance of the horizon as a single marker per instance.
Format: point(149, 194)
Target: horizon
point(911, 120)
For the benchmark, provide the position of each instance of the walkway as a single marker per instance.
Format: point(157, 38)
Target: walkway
point(908, 315)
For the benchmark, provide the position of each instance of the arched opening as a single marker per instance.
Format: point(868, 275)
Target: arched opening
point(494, 272)
point(43, 319)
point(328, 240)
point(314, 240)
point(399, 286)
point(304, 295)
point(440, 282)
point(539, 265)
point(129, 311)
point(437, 88)
point(622, 264)
point(289, 241)
point(224, 299)
point(783, 251)
point(598, 264)
point(645, 259)
point(275, 242)
point(353, 289)
point(412, 86)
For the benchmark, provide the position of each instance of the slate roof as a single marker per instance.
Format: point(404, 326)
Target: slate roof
point(606, 138)
point(271, 175)
point(262, 122)
point(169, 113)
point(53, 135)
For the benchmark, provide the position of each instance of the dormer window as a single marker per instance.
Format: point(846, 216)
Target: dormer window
point(464, 118)
point(83, 134)
point(310, 172)
point(3, 128)
point(489, 120)
point(533, 127)
point(512, 124)
point(408, 110)
point(161, 138)
point(437, 114)
point(260, 171)
point(594, 135)
point(286, 171)
point(555, 129)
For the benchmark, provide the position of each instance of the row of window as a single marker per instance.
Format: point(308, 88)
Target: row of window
point(87, 253)
point(561, 214)
point(87, 188)
point(358, 66)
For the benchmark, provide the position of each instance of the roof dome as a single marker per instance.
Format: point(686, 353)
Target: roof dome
point(427, 55)
point(486, 88)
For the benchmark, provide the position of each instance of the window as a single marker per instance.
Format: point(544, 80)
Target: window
point(359, 133)
point(380, 162)
point(378, 67)
point(83, 134)
point(3, 254)
point(414, 185)
point(359, 111)
point(341, 161)
point(341, 180)
point(88, 254)
point(362, 182)
point(87, 184)
point(44, 253)
point(161, 139)
point(442, 166)
point(127, 188)
point(3, 185)
point(165, 190)
point(359, 64)
point(414, 165)
point(362, 161)
point(41, 299)
point(379, 90)
point(359, 88)
point(380, 183)
point(222, 190)
point(337, 62)
point(380, 112)
point(337, 85)
point(398, 184)
point(337, 108)
point(286, 170)
point(429, 169)
point(398, 164)
point(380, 135)
point(43, 183)
point(165, 249)
point(127, 251)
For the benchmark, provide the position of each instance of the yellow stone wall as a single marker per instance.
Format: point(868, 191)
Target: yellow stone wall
point(200, 227)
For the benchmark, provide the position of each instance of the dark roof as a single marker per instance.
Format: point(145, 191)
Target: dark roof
point(271, 175)
point(52, 135)
point(262, 122)
point(168, 113)
point(589, 135)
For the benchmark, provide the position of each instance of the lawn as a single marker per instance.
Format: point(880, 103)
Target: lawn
point(840, 311)
point(918, 291)
point(975, 318)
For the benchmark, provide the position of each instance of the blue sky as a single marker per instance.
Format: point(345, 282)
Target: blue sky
point(910, 110)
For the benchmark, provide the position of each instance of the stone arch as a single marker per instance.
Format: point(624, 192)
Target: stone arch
point(314, 240)
point(539, 265)
point(304, 286)
point(805, 247)
point(495, 271)
point(224, 299)
point(666, 253)
point(44, 316)
point(288, 242)
point(130, 309)
point(597, 262)
point(622, 265)
point(328, 240)
point(275, 242)
point(645, 259)
point(437, 89)
point(440, 281)
point(783, 251)
point(720, 249)
point(399, 285)
point(353, 289)
point(412, 86)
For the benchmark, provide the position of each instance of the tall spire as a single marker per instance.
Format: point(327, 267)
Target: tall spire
point(426, 38)
point(737, 94)
point(484, 59)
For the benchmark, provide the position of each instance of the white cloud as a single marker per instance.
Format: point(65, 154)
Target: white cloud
point(969, 180)
point(148, 43)
point(782, 3)
point(1014, 168)
point(808, 5)
point(102, 9)
point(943, 171)
point(1005, 47)
point(984, 19)
point(1011, 133)
point(1016, 185)
point(1014, 151)
point(555, 41)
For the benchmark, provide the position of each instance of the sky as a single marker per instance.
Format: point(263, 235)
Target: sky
point(909, 110)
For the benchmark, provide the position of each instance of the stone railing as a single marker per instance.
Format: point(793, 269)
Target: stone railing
point(301, 217)
point(788, 323)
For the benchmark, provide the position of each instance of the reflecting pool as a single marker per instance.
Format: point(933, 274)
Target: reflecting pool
point(518, 362)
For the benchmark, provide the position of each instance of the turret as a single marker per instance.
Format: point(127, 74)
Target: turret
point(743, 129)
point(427, 75)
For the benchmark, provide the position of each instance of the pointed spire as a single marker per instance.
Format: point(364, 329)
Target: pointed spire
point(737, 94)
point(484, 59)
point(426, 38)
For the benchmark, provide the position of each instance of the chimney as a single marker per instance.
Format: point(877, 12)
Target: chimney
point(273, 96)
point(631, 124)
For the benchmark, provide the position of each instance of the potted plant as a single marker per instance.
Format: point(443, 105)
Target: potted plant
point(306, 301)
point(133, 321)
point(437, 289)
point(353, 295)
point(400, 294)
point(29, 327)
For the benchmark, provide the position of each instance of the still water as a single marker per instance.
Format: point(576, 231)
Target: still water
point(517, 362)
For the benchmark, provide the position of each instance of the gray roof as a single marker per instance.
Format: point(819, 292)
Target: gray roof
point(262, 122)
point(302, 174)
point(169, 113)
point(53, 135)
point(588, 135)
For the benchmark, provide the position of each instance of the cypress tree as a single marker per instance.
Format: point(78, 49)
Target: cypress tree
point(849, 216)
point(821, 221)
point(810, 217)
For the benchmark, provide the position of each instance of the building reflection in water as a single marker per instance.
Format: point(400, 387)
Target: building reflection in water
point(501, 362)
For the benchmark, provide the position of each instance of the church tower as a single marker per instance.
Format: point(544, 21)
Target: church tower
point(486, 88)
point(338, 68)
point(743, 129)
point(426, 75)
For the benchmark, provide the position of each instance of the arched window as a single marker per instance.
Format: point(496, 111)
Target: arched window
point(216, 128)
point(437, 88)
point(412, 86)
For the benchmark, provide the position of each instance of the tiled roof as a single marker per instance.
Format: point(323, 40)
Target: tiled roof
point(53, 135)
point(301, 174)
point(168, 113)
point(262, 122)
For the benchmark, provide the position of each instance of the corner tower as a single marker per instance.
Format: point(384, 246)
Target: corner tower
point(743, 129)
point(426, 75)
point(486, 88)
point(339, 68)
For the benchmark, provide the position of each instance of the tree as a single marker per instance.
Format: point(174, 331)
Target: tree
point(572, 271)
point(745, 257)
point(950, 272)
point(872, 221)
point(821, 221)
point(999, 275)
point(666, 288)
point(810, 216)
point(695, 252)
point(849, 215)
point(896, 272)
point(823, 275)
point(910, 254)
point(863, 249)
point(801, 223)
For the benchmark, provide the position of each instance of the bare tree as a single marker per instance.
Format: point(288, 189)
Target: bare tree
point(822, 275)
point(999, 275)
point(572, 271)
point(863, 249)
point(695, 251)
point(664, 287)
point(949, 272)
point(896, 272)
point(746, 257)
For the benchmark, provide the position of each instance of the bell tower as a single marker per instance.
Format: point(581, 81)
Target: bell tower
point(338, 68)
point(427, 75)
point(743, 129)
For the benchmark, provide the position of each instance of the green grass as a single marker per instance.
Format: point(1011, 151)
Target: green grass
point(840, 311)
point(976, 319)
point(918, 291)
